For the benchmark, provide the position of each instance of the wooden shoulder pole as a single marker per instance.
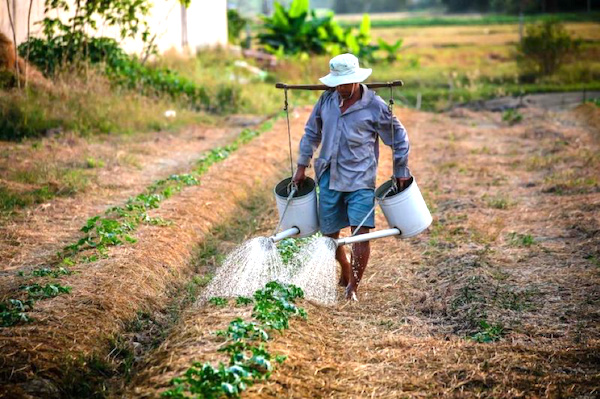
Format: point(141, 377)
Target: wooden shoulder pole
point(374, 85)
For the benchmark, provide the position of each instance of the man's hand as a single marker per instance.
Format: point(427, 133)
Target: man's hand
point(299, 176)
point(403, 183)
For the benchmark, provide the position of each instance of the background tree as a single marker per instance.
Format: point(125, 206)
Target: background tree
point(545, 47)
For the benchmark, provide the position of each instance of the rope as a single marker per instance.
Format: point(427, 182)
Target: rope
point(292, 189)
point(287, 204)
point(391, 109)
point(394, 185)
point(287, 116)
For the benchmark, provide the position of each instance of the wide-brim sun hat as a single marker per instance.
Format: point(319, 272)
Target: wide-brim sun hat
point(344, 69)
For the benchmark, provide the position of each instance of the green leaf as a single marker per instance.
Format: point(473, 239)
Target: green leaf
point(298, 8)
point(365, 26)
point(352, 43)
point(279, 18)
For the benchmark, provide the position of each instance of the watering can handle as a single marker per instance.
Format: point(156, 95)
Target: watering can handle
point(287, 204)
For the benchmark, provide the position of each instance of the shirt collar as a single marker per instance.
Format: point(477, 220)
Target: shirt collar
point(365, 100)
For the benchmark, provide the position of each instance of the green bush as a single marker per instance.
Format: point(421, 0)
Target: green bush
point(545, 47)
point(51, 54)
point(18, 122)
point(235, 26)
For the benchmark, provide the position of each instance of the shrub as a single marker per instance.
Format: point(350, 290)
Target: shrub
point(291, 31)
point(235, 25)
point(19, 120)
point(545, 47)
point(51, 54)
point(512, 116)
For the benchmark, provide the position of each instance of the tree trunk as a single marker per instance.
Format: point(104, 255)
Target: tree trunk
point(14, 32)
point(28, 37)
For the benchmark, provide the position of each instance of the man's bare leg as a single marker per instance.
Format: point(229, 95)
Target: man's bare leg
point(340, 256)
point(359, 260)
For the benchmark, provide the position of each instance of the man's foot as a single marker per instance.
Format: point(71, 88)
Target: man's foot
point(351, 293)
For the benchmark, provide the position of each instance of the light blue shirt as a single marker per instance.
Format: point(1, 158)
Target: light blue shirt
point(349, 141)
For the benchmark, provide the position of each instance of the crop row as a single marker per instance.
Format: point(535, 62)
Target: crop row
point(249, 359)
point(114, 227)
point(117, 224)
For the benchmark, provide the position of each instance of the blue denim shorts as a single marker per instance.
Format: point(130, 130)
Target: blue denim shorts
point(339, 209)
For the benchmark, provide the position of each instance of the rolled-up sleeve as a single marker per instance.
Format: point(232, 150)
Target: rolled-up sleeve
point(400, 141)
point(312, 135)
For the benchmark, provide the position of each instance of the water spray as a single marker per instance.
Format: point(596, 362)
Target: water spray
point(314, 269)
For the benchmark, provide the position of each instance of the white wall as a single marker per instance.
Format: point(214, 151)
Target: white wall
point(206, 24)
point(22, 8)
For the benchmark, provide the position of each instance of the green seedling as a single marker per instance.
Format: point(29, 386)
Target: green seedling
point(37, 291)
point(243, 301)
point(116, 225)
point(289, 247)
point(92, 163)
point(14, 311)
point(218, 301)
point(249, 359)
point(239, 329)
point(488, 333)
point(498, 202)
point(521, 240)
point(512, 116)
point(51, 272)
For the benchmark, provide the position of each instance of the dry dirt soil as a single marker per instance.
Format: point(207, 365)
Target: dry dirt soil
point(512, 257)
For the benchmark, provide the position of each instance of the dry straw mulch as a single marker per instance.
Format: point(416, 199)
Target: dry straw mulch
point(515, 243)
point(40, 357)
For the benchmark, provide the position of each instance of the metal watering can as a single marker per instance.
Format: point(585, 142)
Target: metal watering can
point(406, 212)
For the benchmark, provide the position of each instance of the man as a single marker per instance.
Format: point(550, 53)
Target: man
point(347, 122)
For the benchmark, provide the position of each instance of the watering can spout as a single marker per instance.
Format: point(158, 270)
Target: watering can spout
point(367, 237)
point(285, 234)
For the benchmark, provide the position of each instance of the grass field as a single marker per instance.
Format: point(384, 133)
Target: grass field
point(426, 19)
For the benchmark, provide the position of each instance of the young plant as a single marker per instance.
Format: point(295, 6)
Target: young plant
point(488, 333)
point(391, 50)
point(37, 291)
point(249, 359)
point(512, 116)
point(521, 240)
point(218, 301)
point(14, 311)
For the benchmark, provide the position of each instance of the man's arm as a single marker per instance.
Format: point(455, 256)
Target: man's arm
point(310, 142)
point(400, 143)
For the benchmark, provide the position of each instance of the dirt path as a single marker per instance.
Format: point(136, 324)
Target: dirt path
point(512, 258)
point(549, 101)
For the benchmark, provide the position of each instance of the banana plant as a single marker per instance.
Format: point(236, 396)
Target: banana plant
point(298, 31)
point(390, 49)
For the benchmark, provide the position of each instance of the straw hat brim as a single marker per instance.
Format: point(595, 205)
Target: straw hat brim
point(355, 77)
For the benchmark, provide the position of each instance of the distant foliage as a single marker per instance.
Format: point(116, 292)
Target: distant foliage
point(66, 42)
point(499, 6)
point(390, 49)
point(128, 16)
point(235, 26)
point(49, 55)
point(298, 31)
point(545, 47)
